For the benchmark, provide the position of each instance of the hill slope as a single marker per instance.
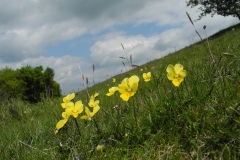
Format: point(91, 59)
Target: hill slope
point(197, 120)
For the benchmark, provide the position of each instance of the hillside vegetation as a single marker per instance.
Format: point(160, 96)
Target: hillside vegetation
point(28, 84)
point(199, 119)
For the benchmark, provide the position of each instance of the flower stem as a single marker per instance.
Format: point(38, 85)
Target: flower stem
point(135, 114)
point(98, 130)
point(77, 126)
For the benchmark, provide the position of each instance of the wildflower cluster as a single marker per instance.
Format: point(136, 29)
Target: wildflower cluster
point(74, 109)
point(127, 88)
point(95, 108)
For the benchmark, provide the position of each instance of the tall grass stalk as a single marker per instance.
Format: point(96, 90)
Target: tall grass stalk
point(197, 120)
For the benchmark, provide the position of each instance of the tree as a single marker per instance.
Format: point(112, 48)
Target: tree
point(33, 83)
point(10, 84)
point(52, 88)
point(56, 89)
point(37, 82)
point(28, 83)
point(48, 78)
point(221, 7)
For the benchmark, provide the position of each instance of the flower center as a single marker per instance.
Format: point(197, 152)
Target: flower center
point(176, 76)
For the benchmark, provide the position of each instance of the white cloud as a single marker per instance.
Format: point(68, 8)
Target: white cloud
point(66, 68)
point(108, 49)
point(28, 26)
point(18, 44)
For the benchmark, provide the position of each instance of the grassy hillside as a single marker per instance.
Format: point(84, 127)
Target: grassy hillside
point(197, 120)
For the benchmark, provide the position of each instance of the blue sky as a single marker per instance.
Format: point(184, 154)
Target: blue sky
point(81, 45)
point(75, 47)
point(67, 34)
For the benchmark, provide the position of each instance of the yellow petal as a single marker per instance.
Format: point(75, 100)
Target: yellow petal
point(125, 81)
point(112, 90)
point(149, 74)
point(171, 76)
point(182, 73)
point(88, 114)
point(144, 75)
point(84, 117)
point(65, 100)
point(178, 68)
point(60, 124)
point(109, 94)
point(95, 110)
point(64, 105)
point(65, 115)
point(99, 147)
point(69, 108)
point(122, 88)
point(94, 96)
point(177, 81)
point(87, 111)
point(79, 106)
point(132, 80)
point(70, 104)
point(93, 103)
point(75, 114)
point(134, 87)
point(170, 69)
point(125, 96)
point(70, 96)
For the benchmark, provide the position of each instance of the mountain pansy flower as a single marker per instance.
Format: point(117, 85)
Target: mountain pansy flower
point(176, 74)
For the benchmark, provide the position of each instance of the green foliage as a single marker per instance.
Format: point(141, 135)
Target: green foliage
point(33, 82)
point(10, 85)
point(197, 120)
point(28, 83)
point(221, 7)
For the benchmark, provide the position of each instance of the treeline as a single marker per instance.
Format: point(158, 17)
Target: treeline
point(28, 83)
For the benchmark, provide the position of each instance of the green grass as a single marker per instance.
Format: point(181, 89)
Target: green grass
point(198, 120)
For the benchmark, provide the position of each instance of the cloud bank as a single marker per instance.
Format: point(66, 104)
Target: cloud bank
point(29, 27)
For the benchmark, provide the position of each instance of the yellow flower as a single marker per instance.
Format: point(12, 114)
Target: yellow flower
point(100, 147)
point(74, 110)
point(141, 69)
point(90, 114)
point(62, 122)
point(67, 99)
point(92, 102)
point(128, 87)
point(176, 74)
point(112, 90)
point(147, 76)
point(94, 96)
point(113, 79)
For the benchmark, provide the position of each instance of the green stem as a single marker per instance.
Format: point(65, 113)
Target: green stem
point(135, 114)
point(98, 130)
point(77, 126)
point(118, 121)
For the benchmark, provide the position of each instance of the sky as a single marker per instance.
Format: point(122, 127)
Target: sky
point(70, 36)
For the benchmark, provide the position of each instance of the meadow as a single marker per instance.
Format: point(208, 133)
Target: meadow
point(199, 119)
